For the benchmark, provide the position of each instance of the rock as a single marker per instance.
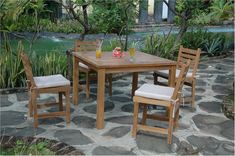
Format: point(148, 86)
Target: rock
point(50, 121)
point(121, 120)
point(112, 150)
point(109, 106)
point(11, 118)
point(227, 129)
point(211, 107)
point(22, 96)
point(120, 99)
point(25, 131)
point(214, 125)
point(221, 89)
point(210, 145)
point(72, 137)
point(4, 102)
point(155, 142)
point(84, 121)
point(118, 132)
point(186, 149)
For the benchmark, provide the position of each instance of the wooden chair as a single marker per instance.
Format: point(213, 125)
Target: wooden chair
point(150, 94)
point(46, 84)
point(85, 46)
point(184, 54)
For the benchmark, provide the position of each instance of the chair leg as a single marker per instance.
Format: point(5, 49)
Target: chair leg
point(110, 84)
point(35, 114)
point(170, 127)
point(144, 115)
point(135, 119)
point(30, 106)
point(176, 123)
point(60, 102)
point(87, 85)
point(193, 93)
point(155, 77)
point(67, 107)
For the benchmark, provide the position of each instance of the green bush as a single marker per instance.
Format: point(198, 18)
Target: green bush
point(111, 44)
point(212, 43)
point(12, 72)
point(51, 63)
point(68, 26)
point(21, 148)
point(195, 39)
point(160, 45)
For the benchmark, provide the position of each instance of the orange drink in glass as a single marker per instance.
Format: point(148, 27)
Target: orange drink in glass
point(132, 53)
point(98, 53)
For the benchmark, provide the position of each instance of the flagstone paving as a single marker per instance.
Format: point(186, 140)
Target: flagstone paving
point(204, 130)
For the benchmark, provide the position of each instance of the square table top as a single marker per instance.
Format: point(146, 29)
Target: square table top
point(141, 59)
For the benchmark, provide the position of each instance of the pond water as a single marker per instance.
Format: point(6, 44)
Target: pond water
point(54, 42)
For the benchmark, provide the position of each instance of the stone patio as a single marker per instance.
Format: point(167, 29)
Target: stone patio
point(202, 131)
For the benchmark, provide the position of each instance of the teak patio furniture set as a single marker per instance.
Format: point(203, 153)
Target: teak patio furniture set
point(148, 94)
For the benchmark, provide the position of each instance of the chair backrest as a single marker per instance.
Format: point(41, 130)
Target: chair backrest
point(83, 46)
point(180, 81)
point(27, 68)
point(193, 55)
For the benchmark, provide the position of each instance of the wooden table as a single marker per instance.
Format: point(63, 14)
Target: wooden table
point(109, 64)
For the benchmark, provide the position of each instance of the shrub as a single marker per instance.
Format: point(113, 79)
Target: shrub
point(160, 45)
point(195, 39)
point(51, 63)
point(22, 148)
point(12, 72)
point(212, 43)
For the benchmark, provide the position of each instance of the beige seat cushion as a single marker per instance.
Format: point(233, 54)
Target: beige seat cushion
point(177, 73)
point(83, 65)
point(51, 81)
point(155, 92)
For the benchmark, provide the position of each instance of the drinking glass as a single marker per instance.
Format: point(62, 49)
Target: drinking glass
point(132, 53)
point(98, 53)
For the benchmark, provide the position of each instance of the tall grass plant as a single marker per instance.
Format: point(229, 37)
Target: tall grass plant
point(12, 71)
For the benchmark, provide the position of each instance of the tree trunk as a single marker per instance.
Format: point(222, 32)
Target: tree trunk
point(183, 29)
point(85, 24)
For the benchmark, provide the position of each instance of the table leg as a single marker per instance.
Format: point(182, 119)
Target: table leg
point(100, 99)
point(134, 83)
point(171, 81)
point(75, 80)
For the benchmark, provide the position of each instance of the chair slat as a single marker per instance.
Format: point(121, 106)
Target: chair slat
point(189, 51)
point(83, 46)
point(188, 56)
point(152, 129)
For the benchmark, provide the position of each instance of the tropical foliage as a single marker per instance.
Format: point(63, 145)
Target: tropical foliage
point(212, 43)
point(161, 45)
point(12, 72)
point(21, 148)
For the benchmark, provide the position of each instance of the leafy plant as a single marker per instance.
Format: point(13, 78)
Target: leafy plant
point(213, 46)
point(21, 148)
point(110, 45)
point(11, 68)
point(51, 63)
point(12, 72)
point(196, 38)
point(221, 9)
point(161, 45)
point(212, 43)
